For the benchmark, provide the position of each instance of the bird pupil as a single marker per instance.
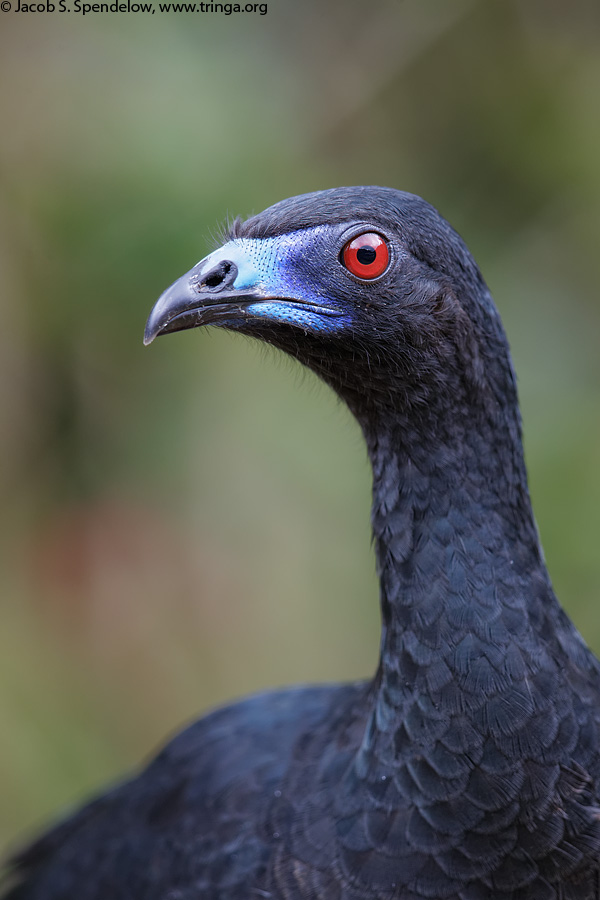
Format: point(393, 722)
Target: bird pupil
point(366, 255)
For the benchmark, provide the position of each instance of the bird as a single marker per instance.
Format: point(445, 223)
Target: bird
point(468, 766)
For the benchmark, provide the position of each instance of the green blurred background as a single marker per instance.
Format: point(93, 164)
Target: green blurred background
point(187, 523)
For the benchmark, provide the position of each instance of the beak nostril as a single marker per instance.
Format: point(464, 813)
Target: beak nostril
point(221, 276)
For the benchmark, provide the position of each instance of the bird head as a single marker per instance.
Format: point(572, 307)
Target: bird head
point(368, 286)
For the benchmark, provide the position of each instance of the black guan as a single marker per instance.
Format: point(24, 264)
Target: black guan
point(468, 767)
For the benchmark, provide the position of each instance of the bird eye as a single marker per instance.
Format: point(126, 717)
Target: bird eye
point(366, 256)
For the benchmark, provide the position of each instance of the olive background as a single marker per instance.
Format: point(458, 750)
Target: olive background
point(189, 522)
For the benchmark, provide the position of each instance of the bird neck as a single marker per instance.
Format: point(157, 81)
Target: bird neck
point(454, 534)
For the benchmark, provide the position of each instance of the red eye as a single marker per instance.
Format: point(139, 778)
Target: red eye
point(366, 256)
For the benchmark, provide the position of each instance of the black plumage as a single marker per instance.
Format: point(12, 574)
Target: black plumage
point(469, 766)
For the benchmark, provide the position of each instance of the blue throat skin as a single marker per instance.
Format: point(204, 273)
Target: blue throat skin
point(468, 767)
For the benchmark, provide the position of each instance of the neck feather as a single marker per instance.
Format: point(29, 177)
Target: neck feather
point(456, 543)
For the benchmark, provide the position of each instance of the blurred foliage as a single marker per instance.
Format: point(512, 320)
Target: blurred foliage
point(187, 523)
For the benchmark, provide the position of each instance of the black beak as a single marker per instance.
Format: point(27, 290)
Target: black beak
point(224, 288)
point(203, 296)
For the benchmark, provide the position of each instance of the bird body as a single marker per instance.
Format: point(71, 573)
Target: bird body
point(468, 768)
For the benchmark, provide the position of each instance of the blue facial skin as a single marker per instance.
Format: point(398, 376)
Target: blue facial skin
point(288, 270)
